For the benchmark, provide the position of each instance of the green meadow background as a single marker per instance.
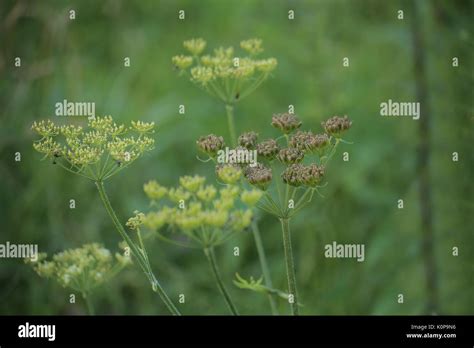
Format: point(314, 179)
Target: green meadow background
point(82, 60)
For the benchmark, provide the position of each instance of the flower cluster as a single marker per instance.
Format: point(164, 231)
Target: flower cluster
point(81, 269)
point(204, 214)
point(225, 74)
point(97, 152)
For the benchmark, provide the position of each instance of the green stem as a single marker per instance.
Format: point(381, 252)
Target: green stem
point(290, 265)
point(135, 251)
point(209, 252)
point(231, 123)
point(90, 306)
point(264, 265)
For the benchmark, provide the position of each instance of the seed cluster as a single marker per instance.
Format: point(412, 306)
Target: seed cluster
point(210, 144)
point(300, 167)
point(336, 125)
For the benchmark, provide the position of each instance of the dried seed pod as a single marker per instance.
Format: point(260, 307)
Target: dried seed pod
point(267, 148)
point(290, 155)
point(286, 122)
point(210, 144)
point(336, 125)
point(312, 175)
point(259, 176)
point(307, 141)
point(301, 175)
point(248, 140)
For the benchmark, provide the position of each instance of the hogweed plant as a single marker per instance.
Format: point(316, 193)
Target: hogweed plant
point(197, 215)
point(97, 153)
point(226, 74)
point(230, 77)
point(83, 269)
point(289, 169)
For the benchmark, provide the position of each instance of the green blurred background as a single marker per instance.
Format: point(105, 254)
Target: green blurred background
point(82, 60)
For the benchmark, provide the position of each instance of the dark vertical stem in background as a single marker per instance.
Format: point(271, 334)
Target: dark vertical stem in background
point(423, 161)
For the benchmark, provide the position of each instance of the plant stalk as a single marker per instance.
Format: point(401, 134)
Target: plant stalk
point(209, 252)
point(290, 265)
point(264, 265)
point(90, 306)
point(231, 124)
point(142, 261)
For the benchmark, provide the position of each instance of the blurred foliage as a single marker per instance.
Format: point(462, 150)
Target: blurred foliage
point(82, 60)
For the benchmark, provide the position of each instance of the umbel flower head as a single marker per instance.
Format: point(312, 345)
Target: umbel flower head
point(268, 148)
point(259, 176)
point(336, 125)
point(301, 175)
point(202, 214)
point(248, 140)
point(97, 152)
point(82, 269)
point(225, 74)
point(210, 144)
point(287, 123)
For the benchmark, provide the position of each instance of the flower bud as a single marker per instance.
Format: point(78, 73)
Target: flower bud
point(192, 183)
point(134, 222)
point(154, 191)
point(202, 75)
point(228, 173)
point(286, 122)
point(241, 219)
point(195, 46)
point(251, 197)
point(252, 46)
point(182, 62)
point(207, 193)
